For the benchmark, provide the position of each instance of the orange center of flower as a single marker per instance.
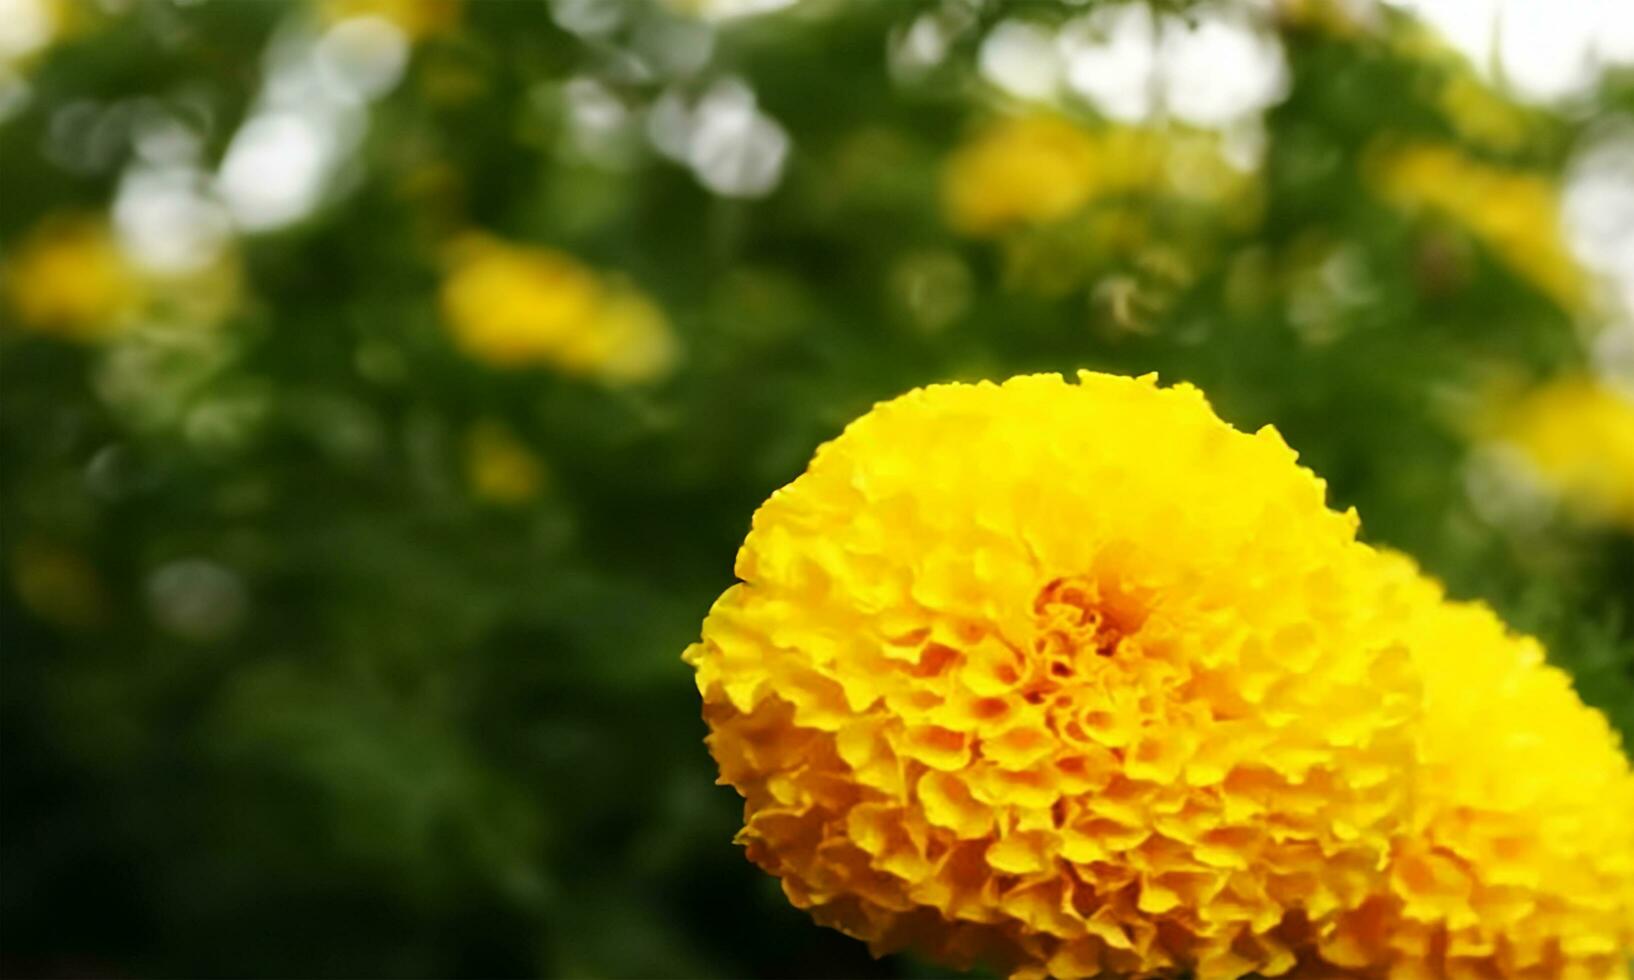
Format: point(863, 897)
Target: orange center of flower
point(1078, 620)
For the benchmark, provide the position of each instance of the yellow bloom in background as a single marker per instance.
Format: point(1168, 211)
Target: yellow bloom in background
point(1038, 169)
point(514, 306)
point(417, 19)
point(499, 467)
point(1579, 435)
point(1477, 110)
point(68, 278)
point(1065, 679)
point(1519, 861)
point(1019, 170)
point(1513, 213)
point(58, 584)
point(1481, 115)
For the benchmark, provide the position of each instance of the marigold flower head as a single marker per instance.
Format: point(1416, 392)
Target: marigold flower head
point(515, 305)
point(1579, 435)
point(1519, 857)
point(1067, 678)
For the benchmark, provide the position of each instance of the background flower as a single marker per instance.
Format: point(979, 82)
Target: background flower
point(512, 306)
point(1579, 435)
point(70, 278)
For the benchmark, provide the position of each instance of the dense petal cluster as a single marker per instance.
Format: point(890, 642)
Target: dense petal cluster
point(1518, 860)
point(512, 305)
point(1078, 680)
point(1066, 678)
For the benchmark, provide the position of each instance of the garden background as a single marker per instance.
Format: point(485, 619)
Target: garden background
point(386, 385)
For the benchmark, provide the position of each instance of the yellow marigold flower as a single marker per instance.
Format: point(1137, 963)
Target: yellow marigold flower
point(1579, 434)
point(1513, 213)
point(417, 19)
point(1036, 169)
point(68, 277)
point(1519, 860)
point(1066, 679)
point(499, 467)
point(516, 305)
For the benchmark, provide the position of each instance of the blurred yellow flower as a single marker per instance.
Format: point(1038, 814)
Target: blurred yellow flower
point(1579, 435)
point(417, 19)
point(68, 278)
point(1519, 860)
point(512, 306)
point(58, 584)
point(1004, 684)
point(499, 467)
point(1043, 168)
point(1019, 170)
point(1478, 111)
point(1514, 214)
point(1481, 115)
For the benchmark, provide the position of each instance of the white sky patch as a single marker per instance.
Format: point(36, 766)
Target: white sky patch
point(1111, 60)
point(919, 47)
point(729, 9)
point(310, 116)
point(1213, 70)
point(1599, 210)
point(168, 220)
point(1021, 58)
point(1220, 70)
point(1545, 50)
point(161, 137)
point(275, 168)
point(733, 148)
point(26, 26)
point(603, 129)
point(362, 59)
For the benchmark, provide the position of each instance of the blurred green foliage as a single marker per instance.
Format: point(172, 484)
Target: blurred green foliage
point(283, 695)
